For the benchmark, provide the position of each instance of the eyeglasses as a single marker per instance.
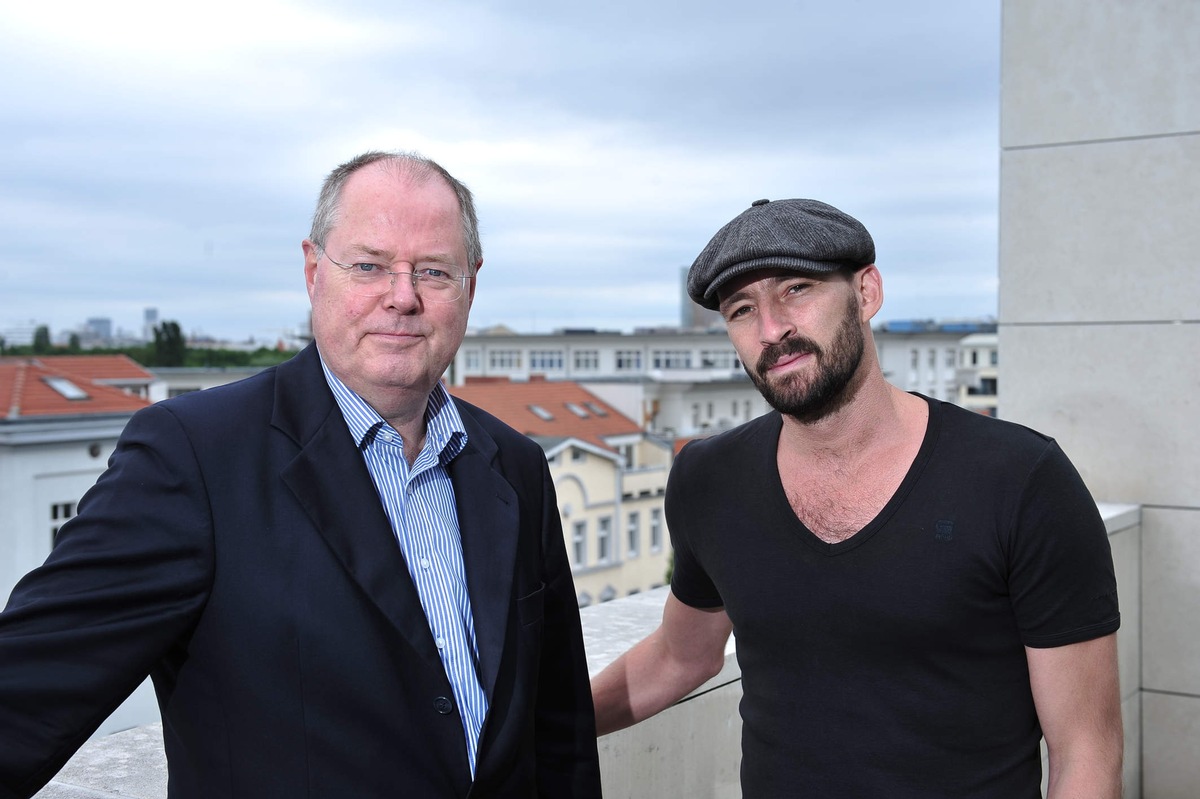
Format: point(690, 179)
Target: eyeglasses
point(432, 283)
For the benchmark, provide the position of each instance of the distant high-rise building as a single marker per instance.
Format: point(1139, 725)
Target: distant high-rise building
point(97, 330)
point(149, 322)
point(19, 334)
point(693, 316)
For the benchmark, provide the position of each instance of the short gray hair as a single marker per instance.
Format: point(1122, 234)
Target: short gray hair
point(329, 202)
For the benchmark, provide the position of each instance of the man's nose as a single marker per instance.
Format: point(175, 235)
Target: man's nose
point(402, 291)
point(775, 324)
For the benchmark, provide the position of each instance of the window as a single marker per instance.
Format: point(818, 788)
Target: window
point(974, 357)
point(576, 409)
point(626, 451)
point(66, 388)
point(541, 413)
point(62, 510)
point(914, 359)
point(579, 544)
point(546, 359)
point(719, 359)
point(950, 359)
point(672, 359)
point(578, 455)
point(629, 360)
point(588, 360)
point(994, 357)
point(504, 359)
point(932, 360)
point(59, 513)
point(604, 553)
point(471, 359)
point(986, 387)
point(656, 530)
point(633, 535)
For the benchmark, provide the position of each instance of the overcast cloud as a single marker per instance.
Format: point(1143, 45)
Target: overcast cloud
point(168, 155)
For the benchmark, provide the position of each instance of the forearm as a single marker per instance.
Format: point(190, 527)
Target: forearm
point(1087, 777)
point(643, 682)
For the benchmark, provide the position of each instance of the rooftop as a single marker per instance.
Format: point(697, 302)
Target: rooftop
point(548, 410)
point(44, 387)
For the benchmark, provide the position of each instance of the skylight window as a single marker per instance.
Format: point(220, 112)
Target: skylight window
point(596, 409)
point(541, 413)
point(66, 388)
point(577, 410)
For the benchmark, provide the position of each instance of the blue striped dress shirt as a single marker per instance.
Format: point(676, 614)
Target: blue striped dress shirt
point(420, 505)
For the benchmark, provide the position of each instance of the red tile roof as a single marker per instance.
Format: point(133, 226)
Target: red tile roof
point(513, 404)
point(106, 368)
point(27, 390)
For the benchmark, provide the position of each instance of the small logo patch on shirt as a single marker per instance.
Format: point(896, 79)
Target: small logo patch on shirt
point(944, 530)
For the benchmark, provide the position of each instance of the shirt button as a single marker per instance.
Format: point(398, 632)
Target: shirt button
point(424, 563)
point(443, 705)
point(440, 641)
point(386, 435)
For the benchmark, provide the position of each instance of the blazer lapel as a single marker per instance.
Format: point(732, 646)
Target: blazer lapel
point(488, 521)
point(331, 482)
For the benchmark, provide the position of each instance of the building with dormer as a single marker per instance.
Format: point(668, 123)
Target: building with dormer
point(610, 476)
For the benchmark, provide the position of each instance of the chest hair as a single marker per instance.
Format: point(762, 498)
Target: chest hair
point(836, 501)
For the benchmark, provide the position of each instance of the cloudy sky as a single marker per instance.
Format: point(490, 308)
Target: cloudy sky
point(168, 155)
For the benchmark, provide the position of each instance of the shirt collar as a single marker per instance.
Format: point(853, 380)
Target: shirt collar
point(444, 430)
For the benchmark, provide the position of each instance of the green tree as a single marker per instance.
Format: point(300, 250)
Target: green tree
point(169, 347)
point(73, 345)
point(41, 340)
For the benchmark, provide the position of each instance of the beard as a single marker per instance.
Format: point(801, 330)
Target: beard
point(810, 399)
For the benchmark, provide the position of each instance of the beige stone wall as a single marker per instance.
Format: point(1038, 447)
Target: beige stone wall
point(1099, 319)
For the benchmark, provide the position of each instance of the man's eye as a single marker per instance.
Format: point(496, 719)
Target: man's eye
point(433, 273)
point(735, 312)
point(367, 269)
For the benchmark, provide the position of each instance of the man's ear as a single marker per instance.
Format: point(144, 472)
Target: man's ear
point(471, 284)
point(868, 283)
point(311, 255)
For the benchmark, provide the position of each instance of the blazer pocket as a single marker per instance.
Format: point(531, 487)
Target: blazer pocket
point(530, 608)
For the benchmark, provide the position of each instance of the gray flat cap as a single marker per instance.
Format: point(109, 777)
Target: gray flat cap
point(799, 235)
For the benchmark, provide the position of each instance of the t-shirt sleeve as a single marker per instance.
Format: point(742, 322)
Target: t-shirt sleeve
point(1061, 579)
point(690, 582)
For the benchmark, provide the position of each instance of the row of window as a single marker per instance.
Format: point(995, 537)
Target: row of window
point(589, 360)
point(605, 546)
point(739, 410)
point(971, 357)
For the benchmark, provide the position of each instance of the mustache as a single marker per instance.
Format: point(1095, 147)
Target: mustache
point(798, 345)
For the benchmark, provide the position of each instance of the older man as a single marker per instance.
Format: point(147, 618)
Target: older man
point(342, 581)
point(919, 593)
